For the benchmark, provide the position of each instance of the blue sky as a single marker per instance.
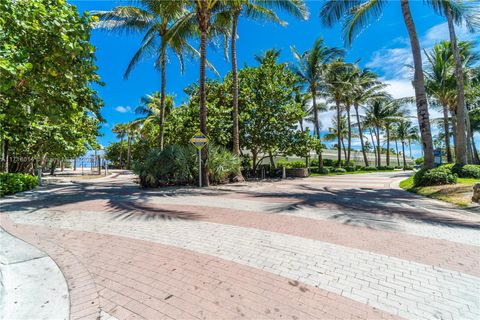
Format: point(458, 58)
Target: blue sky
point(384, 47)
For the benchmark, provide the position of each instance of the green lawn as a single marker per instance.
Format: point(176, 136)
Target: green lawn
point(459, 193)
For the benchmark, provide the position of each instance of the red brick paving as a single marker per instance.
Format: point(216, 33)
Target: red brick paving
point(133, 279)
point(440, 253)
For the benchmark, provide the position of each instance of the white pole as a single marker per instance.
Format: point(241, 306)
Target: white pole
point(200, 168)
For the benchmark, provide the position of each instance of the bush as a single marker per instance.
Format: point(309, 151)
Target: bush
point(350, 169)
point(370, 169)
point(324, 170)
point(432, 177)
point(385, 167)
point(11, 183)
point(407, 168)
point(292, 164)
point(466, 171)
point(179, 165)
point(339, 170)
point(419, 161)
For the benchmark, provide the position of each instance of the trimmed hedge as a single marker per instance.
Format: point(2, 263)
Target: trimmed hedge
point(291, 164)
point(433, 177)
point(11, 183)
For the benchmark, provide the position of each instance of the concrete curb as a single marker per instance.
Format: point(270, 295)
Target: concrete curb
point(32, 285)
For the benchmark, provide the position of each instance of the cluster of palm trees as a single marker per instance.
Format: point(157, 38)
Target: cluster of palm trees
point(168, 26)
point(331, 83)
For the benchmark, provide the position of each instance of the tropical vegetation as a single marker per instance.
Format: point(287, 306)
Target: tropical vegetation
point(260, 111)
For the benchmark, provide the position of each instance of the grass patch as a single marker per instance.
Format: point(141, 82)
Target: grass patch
point(459, 193)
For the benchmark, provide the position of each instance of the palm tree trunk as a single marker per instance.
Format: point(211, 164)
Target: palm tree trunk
point(387, 129)
point(121, 153)
point(379, 149)
point(374, 147)
point(344, 149)
point(349, 137)
point(419, 85)
point(398, 156)
point(410, 148)
point(446, 128)
point(403, 153)
point(476, 159)
point(359, 125)
point(469, 139)
point(339, 138)
point(235, 128)
point(129, 148)
point(317, 125)
point(162, 94)
point(460, 145)
point(203, 105)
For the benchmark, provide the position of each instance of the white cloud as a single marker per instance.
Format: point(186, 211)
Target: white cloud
point(395, 62)
point(123, 109)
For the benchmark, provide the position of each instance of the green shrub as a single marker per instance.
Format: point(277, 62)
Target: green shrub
point(432, 177)
point(328, 162)
point(467, 171)
point(324, 170)
point(179, 165)
point(370, 169)
point(11, 183)
point(407, 168)
point(385, 167)
point(350, 169)
point(419, 161)
point(292, 164)
point(339, 170)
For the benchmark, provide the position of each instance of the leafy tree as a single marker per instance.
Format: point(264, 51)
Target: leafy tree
point(269, 112)
point(47, 104)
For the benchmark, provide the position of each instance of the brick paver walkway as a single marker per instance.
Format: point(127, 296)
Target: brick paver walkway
point(319, 248)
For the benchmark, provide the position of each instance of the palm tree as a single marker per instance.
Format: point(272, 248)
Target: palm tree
point(208, 16)
point(156, 19)
point(261, 10)
point(403, 133)
point(120, 130)
point(440, 85)
point(310, 67)
point(336, 87)
point(131, 129)
point(150, 107)
point(356, 15)
point(380, 114)
point(366, 88)
point(458, 12)
point(333, 135)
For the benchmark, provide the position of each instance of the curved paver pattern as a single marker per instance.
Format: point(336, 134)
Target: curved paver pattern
point(330, 247)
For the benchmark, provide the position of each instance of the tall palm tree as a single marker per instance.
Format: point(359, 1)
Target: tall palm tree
point(458, 12)
point(156, 19)
point(366, 88)
point(336, 87)
point(356, 15)
point(132, 129)
point(259, 10)
point(150, 107)
point(403, 132)
point(380, 114)
point(311, 67)
point(208, 16)
point(120, 129)
point(333, 133)
point(440, 85)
